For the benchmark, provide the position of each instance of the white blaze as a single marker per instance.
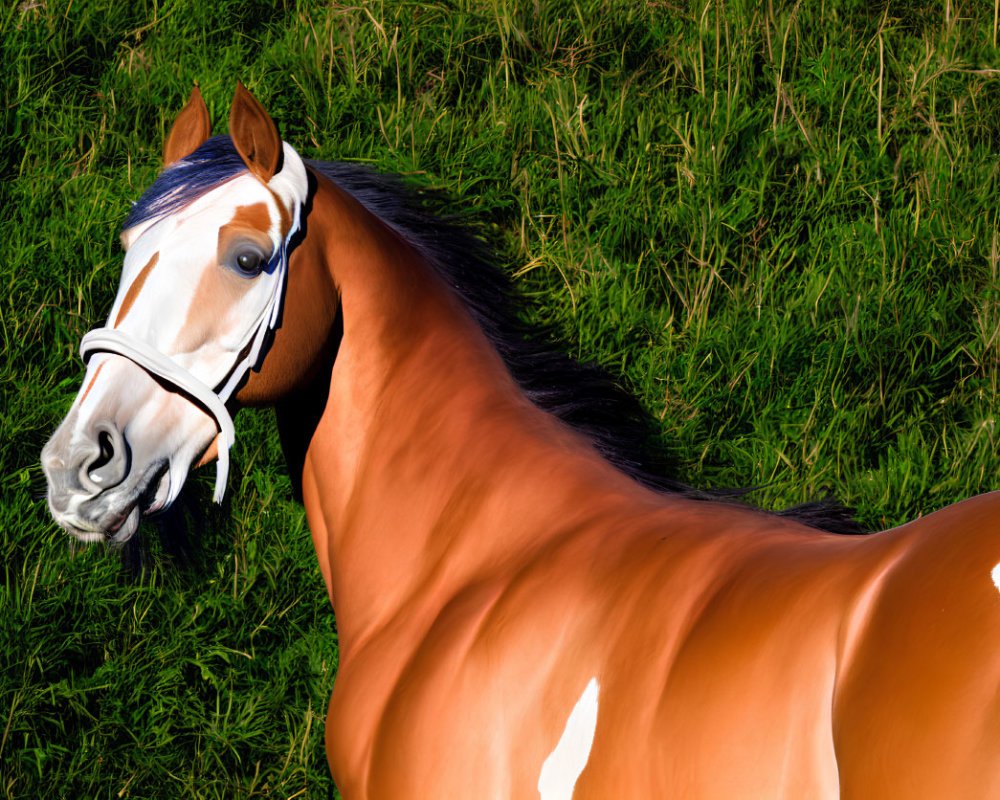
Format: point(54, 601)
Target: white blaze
point(995, 574)
point(563, 766)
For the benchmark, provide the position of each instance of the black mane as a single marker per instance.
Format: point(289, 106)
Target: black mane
point(580, 394)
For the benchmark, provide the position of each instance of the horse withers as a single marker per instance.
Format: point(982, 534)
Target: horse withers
point(524, 609)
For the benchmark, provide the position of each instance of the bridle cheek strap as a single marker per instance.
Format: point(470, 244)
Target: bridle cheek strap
point(112, 340)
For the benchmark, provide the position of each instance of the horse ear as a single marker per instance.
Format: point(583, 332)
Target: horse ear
point(190, 130)
point(254, 134)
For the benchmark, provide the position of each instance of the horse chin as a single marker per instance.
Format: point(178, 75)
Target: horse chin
point(127, 528)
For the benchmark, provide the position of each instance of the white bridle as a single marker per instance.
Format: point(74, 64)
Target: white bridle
point(291, 186)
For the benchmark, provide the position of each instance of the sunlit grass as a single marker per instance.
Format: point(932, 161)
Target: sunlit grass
point(777, 222)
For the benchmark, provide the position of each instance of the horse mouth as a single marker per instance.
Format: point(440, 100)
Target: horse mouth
point(111, 517)
point(116, 533)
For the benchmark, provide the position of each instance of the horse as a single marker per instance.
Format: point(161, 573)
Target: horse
point(524, 610)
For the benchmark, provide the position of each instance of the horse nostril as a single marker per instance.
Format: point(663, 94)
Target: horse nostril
point(106, 451)
point(111, 464)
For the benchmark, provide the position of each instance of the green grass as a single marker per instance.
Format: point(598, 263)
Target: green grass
point(778, 222)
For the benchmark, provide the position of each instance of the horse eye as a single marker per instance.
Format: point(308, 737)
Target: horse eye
point(250, 262)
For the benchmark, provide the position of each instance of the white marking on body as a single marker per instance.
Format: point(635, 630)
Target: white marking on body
point(995, 574)
point(563, 766)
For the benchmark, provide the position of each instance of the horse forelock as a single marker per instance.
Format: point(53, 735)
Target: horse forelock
point(214, 163)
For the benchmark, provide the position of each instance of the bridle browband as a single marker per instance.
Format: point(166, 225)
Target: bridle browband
point(252, 351)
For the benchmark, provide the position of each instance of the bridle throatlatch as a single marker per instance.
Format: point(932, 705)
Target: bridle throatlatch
point(290, 185)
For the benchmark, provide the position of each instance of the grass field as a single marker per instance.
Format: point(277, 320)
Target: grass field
point(777, 222)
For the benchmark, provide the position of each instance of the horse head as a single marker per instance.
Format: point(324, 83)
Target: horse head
point(201, 293)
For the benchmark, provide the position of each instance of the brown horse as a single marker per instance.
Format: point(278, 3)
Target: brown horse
point(523, 612)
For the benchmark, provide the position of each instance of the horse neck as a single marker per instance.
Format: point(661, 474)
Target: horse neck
point(426, 449)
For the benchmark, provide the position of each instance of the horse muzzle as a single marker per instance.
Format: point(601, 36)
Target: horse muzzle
point(94, 493)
